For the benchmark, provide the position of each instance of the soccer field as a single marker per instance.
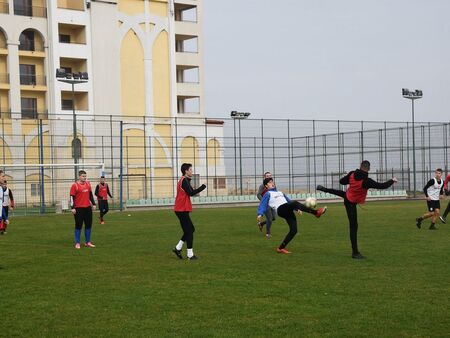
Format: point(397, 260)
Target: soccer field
point(133, 285)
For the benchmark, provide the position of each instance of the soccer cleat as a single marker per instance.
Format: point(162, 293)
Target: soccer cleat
point(283, 251)
point(358, 256)
point(442, 219)
point(418, 222)
point(321, 211)
point(177, 253)
point(432, 227)
point(77, 246)
point(89, 245)
point(320, 188)
point(193, 258)
point(268, 236)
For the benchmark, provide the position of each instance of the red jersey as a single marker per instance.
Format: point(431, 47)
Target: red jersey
point(102, 191)
point(355, 192)
point(183, 200)
point(447, 180)
point(81, 193)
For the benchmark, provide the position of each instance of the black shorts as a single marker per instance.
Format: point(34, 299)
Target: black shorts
point(433, 205)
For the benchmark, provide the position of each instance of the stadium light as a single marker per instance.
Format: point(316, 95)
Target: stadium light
point(237, 115)
point(415, 95)
point(73, 79)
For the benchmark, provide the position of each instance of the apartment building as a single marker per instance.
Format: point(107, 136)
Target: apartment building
point(142, 60)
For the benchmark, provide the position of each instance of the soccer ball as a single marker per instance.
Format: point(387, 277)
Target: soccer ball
point(311, 202)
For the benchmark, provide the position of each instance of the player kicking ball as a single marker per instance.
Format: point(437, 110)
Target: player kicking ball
point(433, 190)
point(285, 208)
point(359, 183)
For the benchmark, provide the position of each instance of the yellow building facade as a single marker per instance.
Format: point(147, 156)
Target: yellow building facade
point(142, 103)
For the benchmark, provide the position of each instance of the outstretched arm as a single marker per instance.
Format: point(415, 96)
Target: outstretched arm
point(371, 184)
point(263, 204)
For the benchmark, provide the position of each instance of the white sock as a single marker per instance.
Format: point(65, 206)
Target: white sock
point(179, 245)
point(190, 252)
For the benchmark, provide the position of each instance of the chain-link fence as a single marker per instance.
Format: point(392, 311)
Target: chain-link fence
point(141, 156)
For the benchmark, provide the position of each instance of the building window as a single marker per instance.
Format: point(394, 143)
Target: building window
point(26, 40)
point(64, 38)
point(66, 104)
point(35, 189)
point(27, 74)
point(219, 183)
point(23, 7)
point(29, 107)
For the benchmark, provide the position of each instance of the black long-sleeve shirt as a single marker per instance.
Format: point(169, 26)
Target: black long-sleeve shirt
point(186, 186)
point(368, 183)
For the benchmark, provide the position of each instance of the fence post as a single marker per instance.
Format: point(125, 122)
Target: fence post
point(121, 168)
point(41, 161)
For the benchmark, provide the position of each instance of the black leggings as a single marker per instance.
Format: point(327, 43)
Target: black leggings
point(83, 215)
point(103, 207)
point(187, 226)
point(352, 216)
point(447, 210)
point(286, 211)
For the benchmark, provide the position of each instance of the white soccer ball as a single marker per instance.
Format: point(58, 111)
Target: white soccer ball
point(311, 202)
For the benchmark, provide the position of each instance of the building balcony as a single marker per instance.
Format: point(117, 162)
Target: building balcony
point(76, 5)
point(187, 28)
point(72, 34)
point(31, 114)
point(5, 113)
point(4, 78)
point(31, 11)
point(32, 80)
point(188, 89)
point(187, 59)
point(4, 7)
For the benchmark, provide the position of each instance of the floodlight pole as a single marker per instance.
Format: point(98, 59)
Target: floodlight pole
point(235, 115)
point(413, 96)
point(74, 118)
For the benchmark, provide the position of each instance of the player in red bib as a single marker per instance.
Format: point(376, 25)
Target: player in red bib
point(359, 183)
point(102, 192)
point(82, 202)
point(447, 193)
point(182, 208)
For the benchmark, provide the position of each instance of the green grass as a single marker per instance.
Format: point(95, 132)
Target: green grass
point(133, 285)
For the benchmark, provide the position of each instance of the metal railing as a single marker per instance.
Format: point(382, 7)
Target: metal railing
point(4, 7)
point(142, 155)
point(33, 80)
point(31, 46)
point(32, 11)
point(4, 77)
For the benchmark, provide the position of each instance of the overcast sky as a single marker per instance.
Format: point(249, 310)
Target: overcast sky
point(327, 59)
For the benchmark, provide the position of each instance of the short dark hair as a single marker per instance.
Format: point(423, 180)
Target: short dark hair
point(438, 169)
point(365, 165)
point(267, 172)
point(185, 167)
point(102, 176)
point(267, 180)
point(81, 172)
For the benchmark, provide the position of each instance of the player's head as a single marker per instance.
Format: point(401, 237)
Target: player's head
point(365, 166)
point(438, 173)
point(2, 176)
point(267, 174)
point(186, 169)
point(268, 183)
point(102, 179)
point(82, 175)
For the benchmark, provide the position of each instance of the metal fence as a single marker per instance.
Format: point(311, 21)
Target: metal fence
point(141, 156)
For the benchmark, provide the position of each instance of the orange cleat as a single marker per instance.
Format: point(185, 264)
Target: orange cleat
point(321, 211)
point(283, 251)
